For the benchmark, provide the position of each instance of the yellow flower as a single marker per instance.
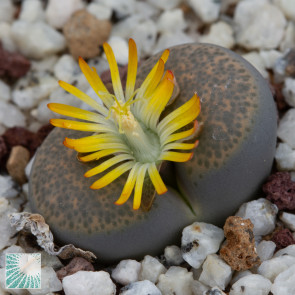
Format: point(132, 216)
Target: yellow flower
point(127, 126)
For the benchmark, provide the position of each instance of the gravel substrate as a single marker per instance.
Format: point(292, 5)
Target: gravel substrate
point(40, 41)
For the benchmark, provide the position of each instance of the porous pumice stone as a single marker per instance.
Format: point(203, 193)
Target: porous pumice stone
point(88, 218)
point(237, 143)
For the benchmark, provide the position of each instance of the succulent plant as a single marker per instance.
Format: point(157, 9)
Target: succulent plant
point(233, 158)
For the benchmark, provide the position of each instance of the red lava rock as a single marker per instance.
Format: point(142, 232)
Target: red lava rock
point(283, 238)
point(75, 265)
point(238, 250)
point(280, 190)
point(85, 33)
point(13, 65)
point(3, 149)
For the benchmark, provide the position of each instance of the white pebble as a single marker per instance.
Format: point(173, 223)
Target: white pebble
point(165, 4)
point(206, 10)
point(66, 68)
point(140, 288)
point(146, 10)
point(215, 291)
point(32, 11)
point(251, 285)
point(173, 255)
point(151, 269)
point(269, 57)
point(290, 250)
point(265, 250)
point(7, 10)
point(44, 65)
point(288, 219)
point(11, 116)
point(220, 34)
point(122, 8)
point(284, 282)
point(144, 34)
point(262, 214)
point(199, 288)
point(6, 37)
point(255, 59)
point(289, 91)
point(176, 280)
point(215, 272)
point(199, 240)
point(58, 12)
point(37, 40)
point(126, 272)
point(289, 37)
point(288, 8)
point(49, 282)
point(6, 231)
point(8, 187)
point(260, 25)
point(5, 92)
point(99, 11)
point(171, 21)
point(285, 157)
point(170, 39)
point(90, 283)
point(271, 268)
point(240, 274)
point(11, 249)
point(120, 49)
point(29, 167)
point(286, 128)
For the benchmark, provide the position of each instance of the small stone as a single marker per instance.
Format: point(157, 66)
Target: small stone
point(285, 157)
point(280, 190)
point(3, 151)
point(151, 268)
point(215, 272)
point(289, 37)
point(270, 269)
point(285, 66)
point(265, 250)
point(126, 272)
point(276, 90)
point(290, 250)
point(165, 4)
point(289, 91)
point(29, 167)
point(37, 40)
point(90, 283)
point(66, 68)
point(173, 255)
point(288, 8)
point(12, 64)
point(5, 92)
point(32, 11)
point(8, 188)
point(6, 37)
point(99, 11)
point(85, 33)
point(122, 8)
point(17, 162)
point(283, 238)
point(120, 49)
point(44, 65)
point(140, 288)
point(11, 249)
point(288, 220)
point(206, 10)
point(198, 288)
point(11, 116)
point(199, 240)
point(239, 248)
point(251, 285)
point(50, 261)
point(262, 214)
point(240, 274)
point(146, 10)
point(59, 12)
point(284, 282)
point(7, 10)
point(171, 21)
point(256, 30)
point(176, 280)
point(255, 59)
point(221, 34)
point(49, 282)
point(75, 265)
point(269, 57)
point(215, 291)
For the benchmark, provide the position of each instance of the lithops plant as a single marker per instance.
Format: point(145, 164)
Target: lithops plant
point(235, 154)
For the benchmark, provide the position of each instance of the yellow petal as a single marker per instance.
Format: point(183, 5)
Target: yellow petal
point(179, 146)
point(84, 97)
point(111, 176)
point(138, 186)
point(101, 146)
point(107, 164)
point(129, 185)
point(81, 126)
point(156, 179)
point(176, 157)
point(132, 69)
point(98, 155)
point(93, 139)
point(118, 90)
